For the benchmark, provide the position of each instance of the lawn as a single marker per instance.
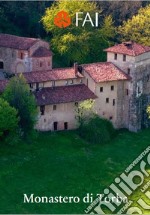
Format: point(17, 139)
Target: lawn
point(63, 164)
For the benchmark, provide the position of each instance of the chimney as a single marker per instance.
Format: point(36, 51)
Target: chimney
point(76, 68)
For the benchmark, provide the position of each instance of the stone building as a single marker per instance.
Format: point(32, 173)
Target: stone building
point(120, 86)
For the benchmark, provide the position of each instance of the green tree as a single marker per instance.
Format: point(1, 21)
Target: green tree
point(84, 110)
point(137, 28)
point(81, 44)
point(18, 95)
point(8, 121)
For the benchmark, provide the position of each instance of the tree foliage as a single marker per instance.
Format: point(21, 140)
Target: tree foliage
point(81, 44)
point(18, 95)
point(137, 28)
point(96, 130)
point(84, 110)
point(8, 121)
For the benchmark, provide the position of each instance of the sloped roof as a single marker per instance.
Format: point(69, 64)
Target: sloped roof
point(63, 94)
point(51, 75)
point(16, 42)
point(42, 52)
point(102, 72)
point(129, 48)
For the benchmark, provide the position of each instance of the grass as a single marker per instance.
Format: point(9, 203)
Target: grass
point(63, 164)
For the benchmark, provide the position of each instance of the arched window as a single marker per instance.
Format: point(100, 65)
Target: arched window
point(1, 65)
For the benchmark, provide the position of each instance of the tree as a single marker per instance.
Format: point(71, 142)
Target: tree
point(81, 44)
point(18, 95)
point(137, 28)
point(8, 121)
point(84, 110)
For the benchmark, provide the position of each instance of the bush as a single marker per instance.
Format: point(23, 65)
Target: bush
point(8, 122)
point(96, 130)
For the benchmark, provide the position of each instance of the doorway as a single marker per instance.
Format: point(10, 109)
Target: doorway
point(55, 126)
point(66, 125)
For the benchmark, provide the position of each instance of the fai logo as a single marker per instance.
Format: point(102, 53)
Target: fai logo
point(62, 19)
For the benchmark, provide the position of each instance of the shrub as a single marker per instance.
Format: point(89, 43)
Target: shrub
point(96, 130)
point(8, 122)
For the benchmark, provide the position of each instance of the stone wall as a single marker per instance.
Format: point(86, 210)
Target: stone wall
point(63, 113)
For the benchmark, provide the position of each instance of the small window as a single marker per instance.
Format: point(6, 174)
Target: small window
point(42, 110)
point(66, 82)
point(115, 56)
point(41, 64)
point(1, 65)
point(54, 107)
point(124, 57)
point(112, 88)
point(31, 85)
point(66, 125)
point(101, 89)
point(71, 82)
point(76, 104)
point(107, 100)
point(128, 71)
point(81, 81)
point(55, 126)
point(139, 90)
point(49, 63)
point(114, 102)
point(110, 118)
point(21, 55)
point(127, 92)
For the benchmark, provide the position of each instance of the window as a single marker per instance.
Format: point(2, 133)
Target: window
point(76, 104)
point(101, 89)
point(114, 102)
point(66, 82)
point(112, 88)
point(1, 65)
point(128, 71)
point(41, 64)
point(110, 118)
point(55, 126)
point(66, 125)
point(127, 92)
point(124, 57)
point(81, 81)
point(54, 107)
point(49, 63)
point(107, 100)
point(115, 56)
point(42, 110)
point(21, 55)
point(31, 85)
point(71, 82)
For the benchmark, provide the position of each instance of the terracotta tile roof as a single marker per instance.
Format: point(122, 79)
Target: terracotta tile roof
point(102, 72)
point(15, 42)
point(51, 75)
point(63, 94)
point(129, 48)
point(3, 84)
point(42, 52)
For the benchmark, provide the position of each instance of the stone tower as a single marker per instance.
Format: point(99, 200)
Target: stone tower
point(134, 60)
